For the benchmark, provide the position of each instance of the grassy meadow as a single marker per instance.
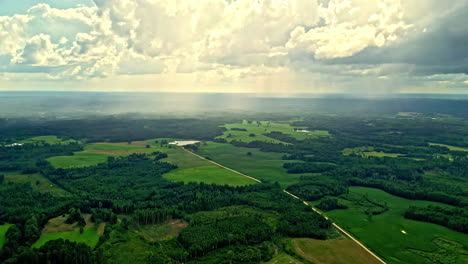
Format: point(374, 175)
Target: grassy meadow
point(3, 229)
point(265, 127)
point(38, 183)
point(78, 160)
point(452, 148)
point(390, 235)
point(369, 152)
point(260, 165)
point(89, 237)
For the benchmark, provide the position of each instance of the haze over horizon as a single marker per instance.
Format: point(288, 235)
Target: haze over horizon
point(262, 47)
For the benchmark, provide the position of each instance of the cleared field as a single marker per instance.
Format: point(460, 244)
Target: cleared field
point(264, 127)
point(208, 174)
point(88, 237)
point(161, 232)
point(57, 228)
point(260, 165)
point(390, 235)
point(126, 248)
point(3, 229)
point(78, 160)
point(453, 148)
point(52, 140)
point(38, 183)
point(283, 258)
point(369, 152)
point(334, 251)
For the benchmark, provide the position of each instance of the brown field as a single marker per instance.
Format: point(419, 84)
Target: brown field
point(58, 225)
point(168, 230)
point(333, 251)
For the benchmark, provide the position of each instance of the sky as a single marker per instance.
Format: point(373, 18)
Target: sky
point(254, 46)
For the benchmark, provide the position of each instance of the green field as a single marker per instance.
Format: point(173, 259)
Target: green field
point(190, 168)
point(89, 237)
point(78, 160)
point(3, 229)
point(266, 127)
point(452, 148)
point(208, 174)
point(126, 247)
point(260, 165)
point(392, 236)
point(283, 258)
point(38, 183)
point(366, 152)
point(52, 140)
point(333, 251)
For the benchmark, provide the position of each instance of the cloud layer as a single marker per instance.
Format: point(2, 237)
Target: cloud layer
point(307, 45)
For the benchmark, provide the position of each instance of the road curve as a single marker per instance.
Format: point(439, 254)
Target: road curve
point(294, 196)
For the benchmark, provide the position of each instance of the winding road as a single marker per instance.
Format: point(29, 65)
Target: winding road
point(294, 196)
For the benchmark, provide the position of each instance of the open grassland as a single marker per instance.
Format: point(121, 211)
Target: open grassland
point(38, 183)
point(52, 140)
point(283, 258)
point(3, 229)
point(78, 160)
point(452, 148)
point(366, 152)
point(161, 232)
point(57, 228)
point(89, 237)
point(392, 236)
point(265, 127)
point(260, 165)
point(333, 251)
point(126, 247)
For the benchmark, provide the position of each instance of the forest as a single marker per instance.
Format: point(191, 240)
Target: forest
point(224, 224)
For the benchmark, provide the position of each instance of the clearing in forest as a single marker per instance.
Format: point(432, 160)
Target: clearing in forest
point(161, 232)
point(397, 246)
point(341, 250)
point(451, 148)
point(366, 152)
point(57, 228)
point(38, 183)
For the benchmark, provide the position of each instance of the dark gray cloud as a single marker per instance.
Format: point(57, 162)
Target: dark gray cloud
point(442, 49)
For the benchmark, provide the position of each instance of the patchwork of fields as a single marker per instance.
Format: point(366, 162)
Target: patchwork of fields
point(397, 239)
point(190, 168)
point(253, 130)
